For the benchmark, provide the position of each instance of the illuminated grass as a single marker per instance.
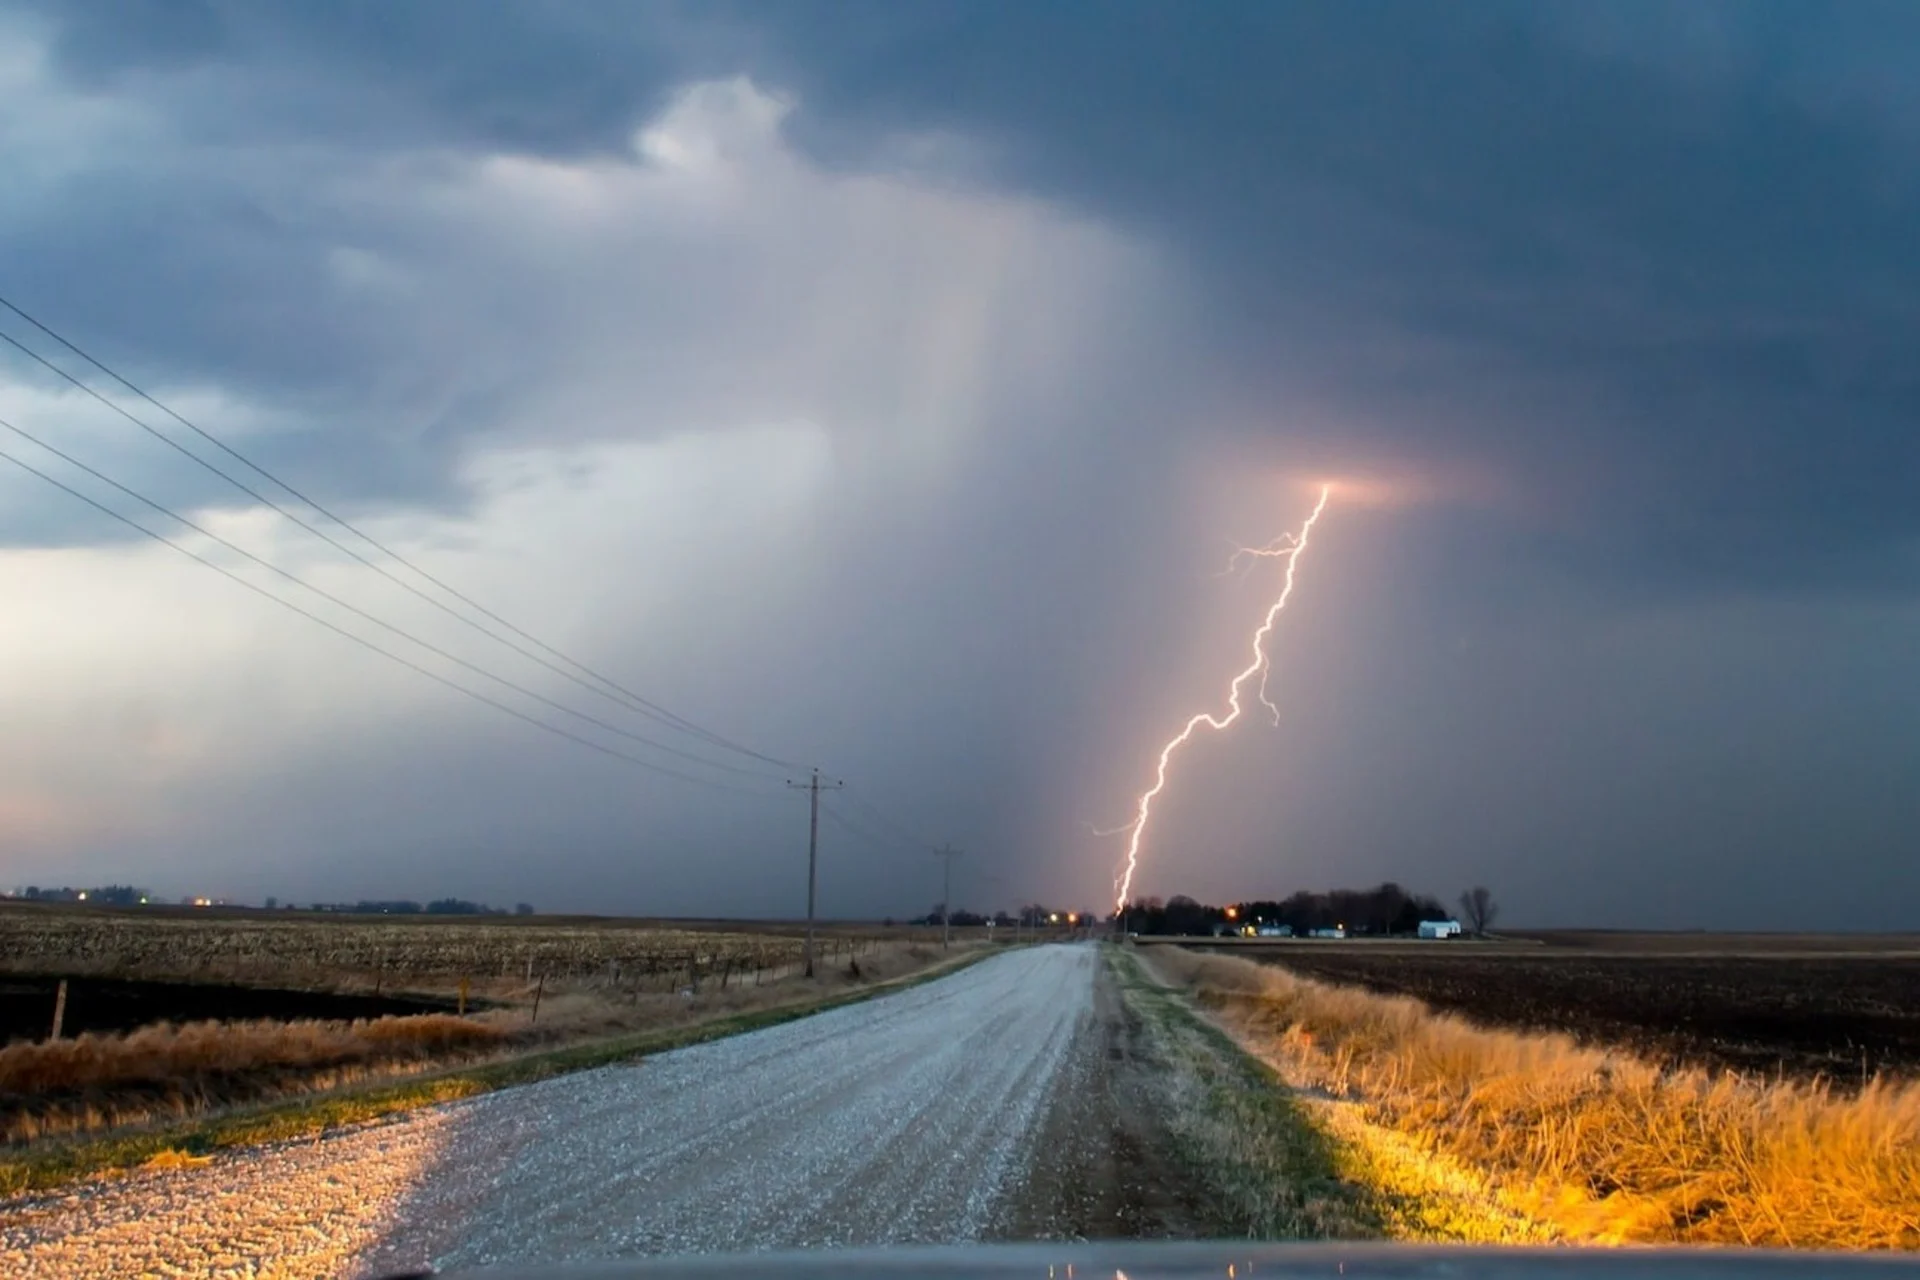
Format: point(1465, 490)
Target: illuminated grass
point(1593, 1146)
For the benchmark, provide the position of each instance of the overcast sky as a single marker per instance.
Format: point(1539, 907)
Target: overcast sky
point(885, 386)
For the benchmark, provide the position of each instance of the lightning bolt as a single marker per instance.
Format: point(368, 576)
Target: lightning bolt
point(1291, 547)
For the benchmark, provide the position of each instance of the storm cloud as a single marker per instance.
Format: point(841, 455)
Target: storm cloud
point(884, 386)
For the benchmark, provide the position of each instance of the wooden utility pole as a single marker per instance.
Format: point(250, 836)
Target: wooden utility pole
point(812, 787)
point(946, 853)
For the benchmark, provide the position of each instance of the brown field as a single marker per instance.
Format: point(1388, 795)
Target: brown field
point(301, 949)
point(1842, 1008)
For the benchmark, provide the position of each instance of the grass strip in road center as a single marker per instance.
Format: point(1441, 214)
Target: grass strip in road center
point(49, 1165)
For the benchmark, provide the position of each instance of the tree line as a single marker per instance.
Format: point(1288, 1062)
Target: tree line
point(1387, 910)
point(1031, 915)
point(126, 895)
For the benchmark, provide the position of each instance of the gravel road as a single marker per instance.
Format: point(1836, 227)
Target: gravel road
point(908, 1119)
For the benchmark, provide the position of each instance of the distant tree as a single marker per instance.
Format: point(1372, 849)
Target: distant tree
point(1478, 910)
point(1185, 916)
point(523, 908)
point(272, 902)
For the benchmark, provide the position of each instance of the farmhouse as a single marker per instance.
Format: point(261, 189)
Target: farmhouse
point(1439, 928)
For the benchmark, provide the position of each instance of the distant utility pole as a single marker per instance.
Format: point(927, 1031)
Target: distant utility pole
point(812, 786)
point(946, 853)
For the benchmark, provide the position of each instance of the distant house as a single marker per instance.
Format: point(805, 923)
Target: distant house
point(1273, 931)
point(1338, 931)
point(1439, 928)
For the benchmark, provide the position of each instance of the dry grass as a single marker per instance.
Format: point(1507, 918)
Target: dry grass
point(94, 1082)
point(1598, 1146)
point(202, 1049)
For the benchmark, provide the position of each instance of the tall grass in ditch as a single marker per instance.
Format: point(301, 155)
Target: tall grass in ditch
point(1599, 1145)
point(96, 1081)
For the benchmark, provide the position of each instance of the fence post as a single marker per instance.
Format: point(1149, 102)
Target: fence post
point(463, 997)
point(536, 997)
point(59, 1009)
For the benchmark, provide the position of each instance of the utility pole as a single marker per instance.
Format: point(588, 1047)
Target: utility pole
point(946, 853)
point(812, 787)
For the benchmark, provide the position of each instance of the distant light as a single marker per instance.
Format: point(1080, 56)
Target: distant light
point(1073, 917)
point(1054, 918)
point(83, 895)
point(1233, 913)
point(143, 901)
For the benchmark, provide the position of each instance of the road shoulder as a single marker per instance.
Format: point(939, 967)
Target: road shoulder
point(1162, 1128)
point(1383, 1182)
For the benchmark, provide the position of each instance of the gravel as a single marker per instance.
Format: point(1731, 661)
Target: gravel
point(906, 1119)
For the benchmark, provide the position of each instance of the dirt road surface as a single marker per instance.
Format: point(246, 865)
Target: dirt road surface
point(988, 1104)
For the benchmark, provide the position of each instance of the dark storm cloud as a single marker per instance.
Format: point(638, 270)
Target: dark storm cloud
point(1658, 265)
point(1666, 271)
point(537, 76)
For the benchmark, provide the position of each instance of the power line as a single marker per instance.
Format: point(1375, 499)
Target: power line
point(620, 694)
point(847, 824)
point(362, 641)
point(900, 832)
point(354, 609)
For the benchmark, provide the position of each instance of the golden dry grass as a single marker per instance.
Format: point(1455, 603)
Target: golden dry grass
point(93, 1082)
point(163, 1053)
point(1598, 1146)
